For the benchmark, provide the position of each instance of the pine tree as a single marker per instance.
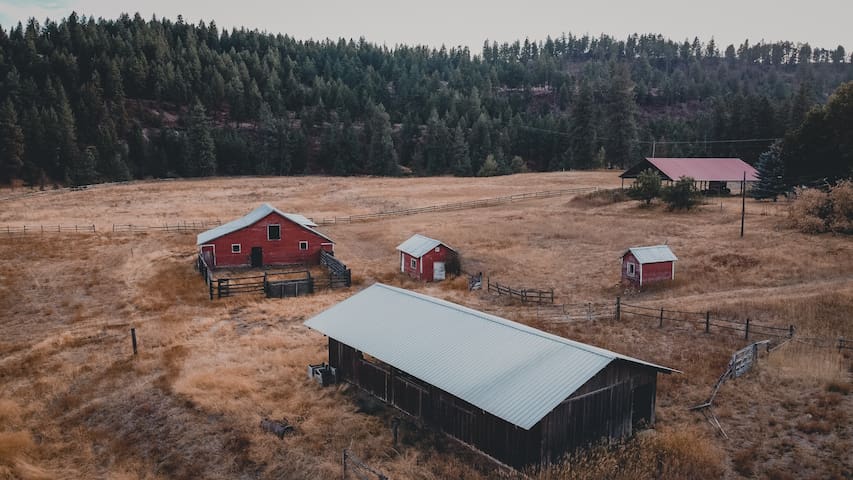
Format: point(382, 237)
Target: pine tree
point(461, 158)
point(83, 171)
point(621, 140)
point(202, 154)
point(581, 151)
point(771, 174)
point(381, 156)
point(11, 144)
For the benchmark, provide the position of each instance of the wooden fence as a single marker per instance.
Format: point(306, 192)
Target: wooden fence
point(704, 321)
point(741, 362)
point(526, 295)
point(195, 226)
point(40, 229)
point(339, 275)
point(449, 207)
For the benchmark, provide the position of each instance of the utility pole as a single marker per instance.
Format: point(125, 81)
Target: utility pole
point(654, 144)
point(743, 203)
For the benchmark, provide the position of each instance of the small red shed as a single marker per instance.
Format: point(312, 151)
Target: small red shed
point(424, 258)
point(644, 265)
point(266, 236)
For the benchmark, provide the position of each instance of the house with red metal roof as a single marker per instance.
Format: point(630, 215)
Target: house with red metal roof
point(710, 173)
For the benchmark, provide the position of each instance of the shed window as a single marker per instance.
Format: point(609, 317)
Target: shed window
point(273, 232)
point(235, 248)
point(303, 245)
point(413, 263)
point(632, 270)
point(437, 249)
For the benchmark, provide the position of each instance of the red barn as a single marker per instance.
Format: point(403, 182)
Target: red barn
point(424, 258)
point(644, 265)
point(266, 236)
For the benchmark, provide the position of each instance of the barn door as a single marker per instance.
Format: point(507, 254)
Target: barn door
point(257, 257)
point(438, 271)
point(208, 252)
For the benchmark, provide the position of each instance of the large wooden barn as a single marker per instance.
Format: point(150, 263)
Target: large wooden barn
point(645, 265)
point(265, 236)
point(424, 258)
point(521, 395)
point(710, 174)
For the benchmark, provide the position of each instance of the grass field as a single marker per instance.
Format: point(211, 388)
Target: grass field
point(75, 403)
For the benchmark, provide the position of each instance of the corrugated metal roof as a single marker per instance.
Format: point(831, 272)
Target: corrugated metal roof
point(700, 169)
point(418, 245)
point(510, 370)
point(252, 217)
point(654, 254)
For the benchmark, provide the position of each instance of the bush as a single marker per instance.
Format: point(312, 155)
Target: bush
point(646, 187)
point(681, 196)
point(817, 211)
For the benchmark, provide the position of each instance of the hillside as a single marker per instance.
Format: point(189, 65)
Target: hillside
point(86, 100)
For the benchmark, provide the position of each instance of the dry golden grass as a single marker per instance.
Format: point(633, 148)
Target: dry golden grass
point(77, 404)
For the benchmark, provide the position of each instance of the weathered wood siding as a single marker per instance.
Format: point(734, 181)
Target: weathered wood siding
point(608, 406)
point(275, 252)
point(604, 407)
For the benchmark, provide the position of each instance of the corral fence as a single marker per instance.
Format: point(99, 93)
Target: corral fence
point(354, 467)
point(449, 207)
point(339, 275)
point(290, 284)
point(279, 284)
point(39, 229)
point(526, 295)
point(195, 226)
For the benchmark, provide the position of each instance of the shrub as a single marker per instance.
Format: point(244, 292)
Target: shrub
point(817, 211)
point(646, 187)
point(681, 196)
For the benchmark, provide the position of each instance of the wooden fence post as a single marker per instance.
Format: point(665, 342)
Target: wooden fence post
point(210, 286)
point(840, 344)
point(133, 339)
point(746, 331)
point(344, 465)
point(660, 325)
point(618, 308)
point(708, 321)
point(790, 331)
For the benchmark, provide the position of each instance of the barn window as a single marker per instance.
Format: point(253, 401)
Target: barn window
point(303, 245)
point(235, 248)
point(632, 270)
point(273, 232)
point(413, 263)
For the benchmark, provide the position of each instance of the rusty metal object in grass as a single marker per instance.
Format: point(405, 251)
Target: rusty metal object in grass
point(279, 428)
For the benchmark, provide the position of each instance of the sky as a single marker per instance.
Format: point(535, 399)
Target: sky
point(822, 23)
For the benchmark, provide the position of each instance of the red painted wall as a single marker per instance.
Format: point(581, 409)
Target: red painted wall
point(652, 272)
point(428, 259)
point(275, 252)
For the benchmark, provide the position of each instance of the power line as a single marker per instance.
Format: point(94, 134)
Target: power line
point(660, 142)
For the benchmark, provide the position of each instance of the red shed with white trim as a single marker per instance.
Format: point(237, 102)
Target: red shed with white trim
point(266, 236)
point(424, 258)
point(644, 265)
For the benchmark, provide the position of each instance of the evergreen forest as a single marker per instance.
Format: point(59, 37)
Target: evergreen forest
point(86, 100)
